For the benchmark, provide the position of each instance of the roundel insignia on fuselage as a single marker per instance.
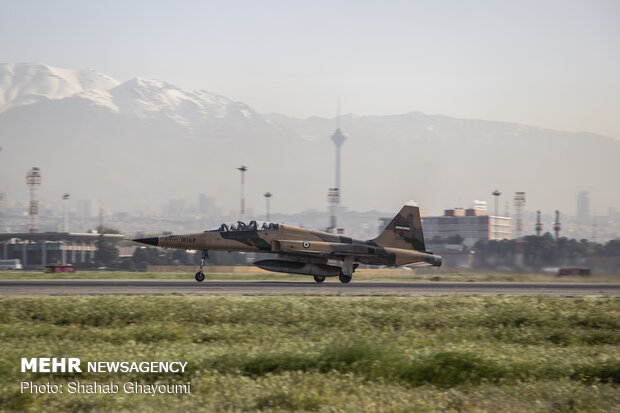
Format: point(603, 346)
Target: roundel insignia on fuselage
point(306, 244)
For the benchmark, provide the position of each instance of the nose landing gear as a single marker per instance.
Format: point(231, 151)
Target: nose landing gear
point(200, 276)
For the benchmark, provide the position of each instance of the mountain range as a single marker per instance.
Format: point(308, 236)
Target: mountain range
point(136, 144)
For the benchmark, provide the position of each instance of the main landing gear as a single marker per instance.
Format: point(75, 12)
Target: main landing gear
point(319, 278)
point(345, 278)
point(346, 274)
point(200, 276)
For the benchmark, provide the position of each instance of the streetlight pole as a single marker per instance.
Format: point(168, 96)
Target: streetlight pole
point(267, 196)
point(65, 198)
point(242, 169)
point(496, 194)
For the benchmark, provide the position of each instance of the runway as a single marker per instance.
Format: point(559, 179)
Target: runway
point(216, 287)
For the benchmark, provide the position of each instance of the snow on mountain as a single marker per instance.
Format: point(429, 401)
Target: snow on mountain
point(27, 83)
point(151, 98)
point(97, 97)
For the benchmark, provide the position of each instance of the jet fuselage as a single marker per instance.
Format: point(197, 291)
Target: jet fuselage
point(304, 251)
point(294, 241)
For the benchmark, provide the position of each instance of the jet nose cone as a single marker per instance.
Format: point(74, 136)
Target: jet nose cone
point(149, 241)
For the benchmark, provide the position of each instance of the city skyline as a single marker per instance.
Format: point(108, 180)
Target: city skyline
point(600, 227)
point(550, 65)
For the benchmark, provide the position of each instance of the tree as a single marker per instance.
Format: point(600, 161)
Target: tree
point(107, 253)
point(181, 257)
point(612, 248)
point(539, 252)
point(145, 256)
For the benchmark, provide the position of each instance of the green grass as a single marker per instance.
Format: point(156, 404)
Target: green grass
point(518, 354)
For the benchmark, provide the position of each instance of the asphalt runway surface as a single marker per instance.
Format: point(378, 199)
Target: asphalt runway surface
point(330, 287)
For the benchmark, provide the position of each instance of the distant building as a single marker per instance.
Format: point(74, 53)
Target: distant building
point(583, 207)
point(473, 225)
point(84, 208)
point(175, 207)
point(206, 204)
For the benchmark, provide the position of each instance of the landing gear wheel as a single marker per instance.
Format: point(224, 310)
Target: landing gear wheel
point(200, 276)
point(319, 278)
point(345, 278)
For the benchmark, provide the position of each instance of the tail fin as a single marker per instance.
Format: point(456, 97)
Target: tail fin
point(404, 231)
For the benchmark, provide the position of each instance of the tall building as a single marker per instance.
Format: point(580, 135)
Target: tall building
point(84, 208)
point(333, 195)
point(206, 204)
point(583, 207)
point(473, 225)
point(175, 207)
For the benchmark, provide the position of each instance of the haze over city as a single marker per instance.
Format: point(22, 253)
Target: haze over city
point(394, 65)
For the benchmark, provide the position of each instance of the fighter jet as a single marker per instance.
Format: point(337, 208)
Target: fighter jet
point(308, 252)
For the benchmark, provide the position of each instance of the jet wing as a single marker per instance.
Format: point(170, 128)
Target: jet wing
point(363, 252)
point(325, 249)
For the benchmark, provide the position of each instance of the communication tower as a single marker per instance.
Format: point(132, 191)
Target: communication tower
point(519, 203)
point(333, 195)
point(33, 180)
point(333, 200)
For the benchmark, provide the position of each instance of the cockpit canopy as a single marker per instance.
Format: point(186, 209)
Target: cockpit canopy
point(242, 226)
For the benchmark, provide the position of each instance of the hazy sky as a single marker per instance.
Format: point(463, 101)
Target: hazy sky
point(553, 64)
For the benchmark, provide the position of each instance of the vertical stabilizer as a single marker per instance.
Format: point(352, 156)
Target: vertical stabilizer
point(404, 231)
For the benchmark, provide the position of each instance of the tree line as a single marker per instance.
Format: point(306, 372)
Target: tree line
point(541, 252)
